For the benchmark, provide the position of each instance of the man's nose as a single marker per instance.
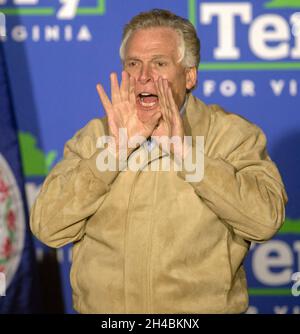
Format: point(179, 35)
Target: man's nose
point(146, 75)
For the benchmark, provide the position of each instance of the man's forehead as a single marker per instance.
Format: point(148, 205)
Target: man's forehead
point(153, 42)
point(136, 56)
point(155, 32)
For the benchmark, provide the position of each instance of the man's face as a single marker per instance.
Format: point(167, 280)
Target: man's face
point(152, 53)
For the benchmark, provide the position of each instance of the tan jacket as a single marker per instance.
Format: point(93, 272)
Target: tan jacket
point(150, 242)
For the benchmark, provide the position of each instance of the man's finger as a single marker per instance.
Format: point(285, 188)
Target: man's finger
point(161, 90)
point(115, 90)
point(165, 90)
point(158, 94)
point(132, 98)
point(173, 106)
point(124, 89)
point(158, 86)
point(166, 113)
point(164, 97)
point(104, 99)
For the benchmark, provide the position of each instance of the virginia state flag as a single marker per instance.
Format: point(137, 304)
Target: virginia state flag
point(18, 292)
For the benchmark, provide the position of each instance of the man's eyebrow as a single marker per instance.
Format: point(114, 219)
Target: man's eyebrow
point(159, 56)
point(131, 58)
point(152, 57)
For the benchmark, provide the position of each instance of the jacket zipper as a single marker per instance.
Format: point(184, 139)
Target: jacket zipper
point(126, 236)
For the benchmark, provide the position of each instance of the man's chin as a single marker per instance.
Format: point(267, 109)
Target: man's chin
point(147, 109)
point(145, 114)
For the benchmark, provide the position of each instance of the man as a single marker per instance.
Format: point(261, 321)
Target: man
point(151, 241)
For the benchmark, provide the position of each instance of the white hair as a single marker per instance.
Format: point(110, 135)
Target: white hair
point(186, 62)
point(189, 44)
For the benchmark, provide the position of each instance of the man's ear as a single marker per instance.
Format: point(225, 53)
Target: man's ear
point(191, 77)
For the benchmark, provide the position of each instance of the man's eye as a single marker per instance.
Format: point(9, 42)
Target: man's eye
point(131, 63)
point(161, 63)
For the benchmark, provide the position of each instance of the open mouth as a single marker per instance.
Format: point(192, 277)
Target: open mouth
point(147, 100)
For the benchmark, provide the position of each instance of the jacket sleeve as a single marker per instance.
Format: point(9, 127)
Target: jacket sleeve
point(241, 184)
point(71, 193)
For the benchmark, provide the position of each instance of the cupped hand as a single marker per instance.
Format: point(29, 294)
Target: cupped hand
point(122, 112)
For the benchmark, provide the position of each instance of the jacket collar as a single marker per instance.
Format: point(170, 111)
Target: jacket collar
point(196, 118)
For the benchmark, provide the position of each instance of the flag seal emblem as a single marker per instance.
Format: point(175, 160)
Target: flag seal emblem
point(12, 222)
